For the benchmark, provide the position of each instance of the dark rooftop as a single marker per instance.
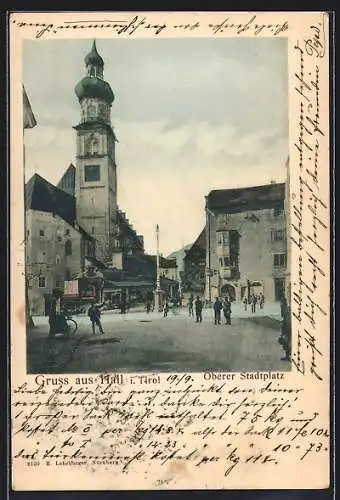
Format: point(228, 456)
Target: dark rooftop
point(43, 196)
point(198, 245)
point(248, 198)
point(68, 181)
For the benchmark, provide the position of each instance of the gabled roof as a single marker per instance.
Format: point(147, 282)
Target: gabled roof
point(68, 181)
point(43, 196)
point(28, 115)
point(199, 244)
point(247, 198)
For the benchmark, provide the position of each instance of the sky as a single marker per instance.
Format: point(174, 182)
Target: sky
point(190, 115)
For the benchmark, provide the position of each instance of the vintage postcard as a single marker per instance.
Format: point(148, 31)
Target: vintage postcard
point(170, 239)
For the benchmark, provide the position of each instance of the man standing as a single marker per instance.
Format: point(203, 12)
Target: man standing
point(191, 305)
point(54, 312)
point(217, 311)
point(198, 309)
point(253, 303)
point(94, 315)
point(166, 308)
point(227, 311)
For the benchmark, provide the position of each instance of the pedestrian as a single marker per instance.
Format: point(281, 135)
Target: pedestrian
point(148, 306)
point(55, 313)
point(191, 306)
point(198, 309)
point(227, 311)
point(94, 315)
point(245, 302)
point(285, 337)
point(261, 300)
point(217, 311)
point(166, 308)
point(253, 303)
point(283, 306)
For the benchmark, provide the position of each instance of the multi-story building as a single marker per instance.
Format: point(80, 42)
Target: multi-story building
point(246, 242)
point(56, 246)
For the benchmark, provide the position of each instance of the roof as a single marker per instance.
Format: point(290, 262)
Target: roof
point(178, 253)
point(163, 262)
point(127, 283)
point(68, 181)
point(198, 245)
point(126, 227)
point(43, 196)
point(247, 198)
point(28, 115)
point(92, 86)
point(93, 57)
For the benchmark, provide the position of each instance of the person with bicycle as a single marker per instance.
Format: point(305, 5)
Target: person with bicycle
point(94, 315)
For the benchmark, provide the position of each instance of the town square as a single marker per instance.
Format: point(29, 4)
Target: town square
point(185, 291)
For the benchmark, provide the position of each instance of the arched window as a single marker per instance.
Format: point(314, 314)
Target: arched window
point(68, 247)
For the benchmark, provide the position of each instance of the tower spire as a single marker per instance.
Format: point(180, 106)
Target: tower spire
point(94, 62)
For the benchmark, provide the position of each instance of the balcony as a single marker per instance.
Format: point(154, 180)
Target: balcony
point(230, 273)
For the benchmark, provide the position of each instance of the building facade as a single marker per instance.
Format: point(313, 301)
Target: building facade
point(246, 242)
point(56, 246)
point(193, 276)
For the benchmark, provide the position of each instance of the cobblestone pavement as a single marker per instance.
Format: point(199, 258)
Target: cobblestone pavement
point(150, 343)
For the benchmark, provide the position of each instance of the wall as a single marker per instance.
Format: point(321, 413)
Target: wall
point(45, 255)
point(256, 250)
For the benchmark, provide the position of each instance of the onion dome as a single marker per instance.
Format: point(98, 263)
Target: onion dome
point(93, 57)
point(91, 86)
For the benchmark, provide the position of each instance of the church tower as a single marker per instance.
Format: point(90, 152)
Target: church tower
point(96, 178)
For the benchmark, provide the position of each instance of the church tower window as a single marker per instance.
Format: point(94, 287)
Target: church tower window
point(92, 173)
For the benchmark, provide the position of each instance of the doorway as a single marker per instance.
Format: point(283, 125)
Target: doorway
point(279, 284)
point(229, 290)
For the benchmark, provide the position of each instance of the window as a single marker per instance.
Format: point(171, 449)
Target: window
point(68, 247)
point(92, 230)
point(41, 257)
point(57, 259)
point(41, 232)
point(278, 211)
point(92, 173)
point(42, 281)
point(67, 232)
point(280, 260)
point(58, 283)
point(221, 261)
point(59, 238)
point(117, 244)
point(226, 262)
point(67, 275)
point(278, 234)
point(223, 238)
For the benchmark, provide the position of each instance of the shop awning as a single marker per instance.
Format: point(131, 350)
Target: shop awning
point(117, 285)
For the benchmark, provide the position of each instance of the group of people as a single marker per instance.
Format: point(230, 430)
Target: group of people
point(195, 308)
point(253, 300)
